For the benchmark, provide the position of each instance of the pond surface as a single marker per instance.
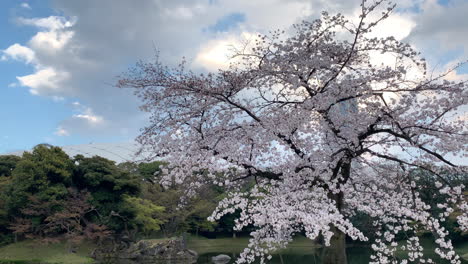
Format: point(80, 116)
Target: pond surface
point(300, 251)
point(356, 258)
point(356, 255)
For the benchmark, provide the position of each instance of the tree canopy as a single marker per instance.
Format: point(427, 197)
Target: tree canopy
point(47, 195)
point(324, 130)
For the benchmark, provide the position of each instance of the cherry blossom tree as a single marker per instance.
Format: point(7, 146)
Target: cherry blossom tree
point(324, 129)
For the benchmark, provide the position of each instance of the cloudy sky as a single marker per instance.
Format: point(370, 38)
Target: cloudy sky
point(60, 58)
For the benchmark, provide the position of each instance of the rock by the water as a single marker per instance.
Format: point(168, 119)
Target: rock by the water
point(221, 259)
point(148, 251)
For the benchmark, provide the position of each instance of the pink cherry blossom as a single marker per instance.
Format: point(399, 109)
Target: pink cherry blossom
point(322, 132)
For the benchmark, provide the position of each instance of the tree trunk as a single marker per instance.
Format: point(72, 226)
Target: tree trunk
point(336, 252)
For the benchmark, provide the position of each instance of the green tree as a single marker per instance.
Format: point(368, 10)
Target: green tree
point(148, 216)
point(151, 171)
point(430, 195)
point(174, 219)
point(169, 198)
point(45, 173)
point(69, 223)
point(198, 214)
point(107, 184)
point(8, 164)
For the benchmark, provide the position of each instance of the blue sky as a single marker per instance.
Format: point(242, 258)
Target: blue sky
point(59, 58)
point(26, 119)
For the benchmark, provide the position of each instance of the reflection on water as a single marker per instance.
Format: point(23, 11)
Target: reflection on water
point(299, 253)
point(357, 255)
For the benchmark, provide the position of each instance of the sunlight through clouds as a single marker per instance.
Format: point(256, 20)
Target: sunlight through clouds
point(76, 51)
point(217, 54)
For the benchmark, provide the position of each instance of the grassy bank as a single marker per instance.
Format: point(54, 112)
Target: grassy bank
point(32, 252)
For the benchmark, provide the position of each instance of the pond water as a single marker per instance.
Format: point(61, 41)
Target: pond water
point(291, 258)
point(300, 251)
point(356, 255)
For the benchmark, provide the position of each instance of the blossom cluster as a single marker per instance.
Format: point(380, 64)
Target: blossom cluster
point(320, 130)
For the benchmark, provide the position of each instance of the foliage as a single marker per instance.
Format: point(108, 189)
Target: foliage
point(427, 182)
point(147, 214)
point(107, 185)
point(151, 171)
point(45, 173)
point(136, 201)
point(321, 126)
point(50, 196)
point(192, 216)
point(200, 208)
point(35, 189)
point(8, 164)
point(69, 223)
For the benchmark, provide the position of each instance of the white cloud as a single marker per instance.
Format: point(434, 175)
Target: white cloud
point(90, 116)
point(451, 69)
point(183, 12)
point(86, 113)
point(47, 51)
point(18, 52)
point(397, 25)
point(84, 123)
point(264, 15)
point(91, 119)
point(60, 131)
point(51, 41)
point(218, 53)
point(441, 28)
point(78, 58)
point(25, 5)
point(48, 23)
point(45, 81)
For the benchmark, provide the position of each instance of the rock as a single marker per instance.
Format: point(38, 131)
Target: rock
point(148, 251)
point(192, 252)
point(221, 259)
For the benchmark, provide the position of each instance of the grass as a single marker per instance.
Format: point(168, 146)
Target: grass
point(33, 252)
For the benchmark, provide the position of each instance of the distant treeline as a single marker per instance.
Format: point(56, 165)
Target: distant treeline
point(45, 194)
